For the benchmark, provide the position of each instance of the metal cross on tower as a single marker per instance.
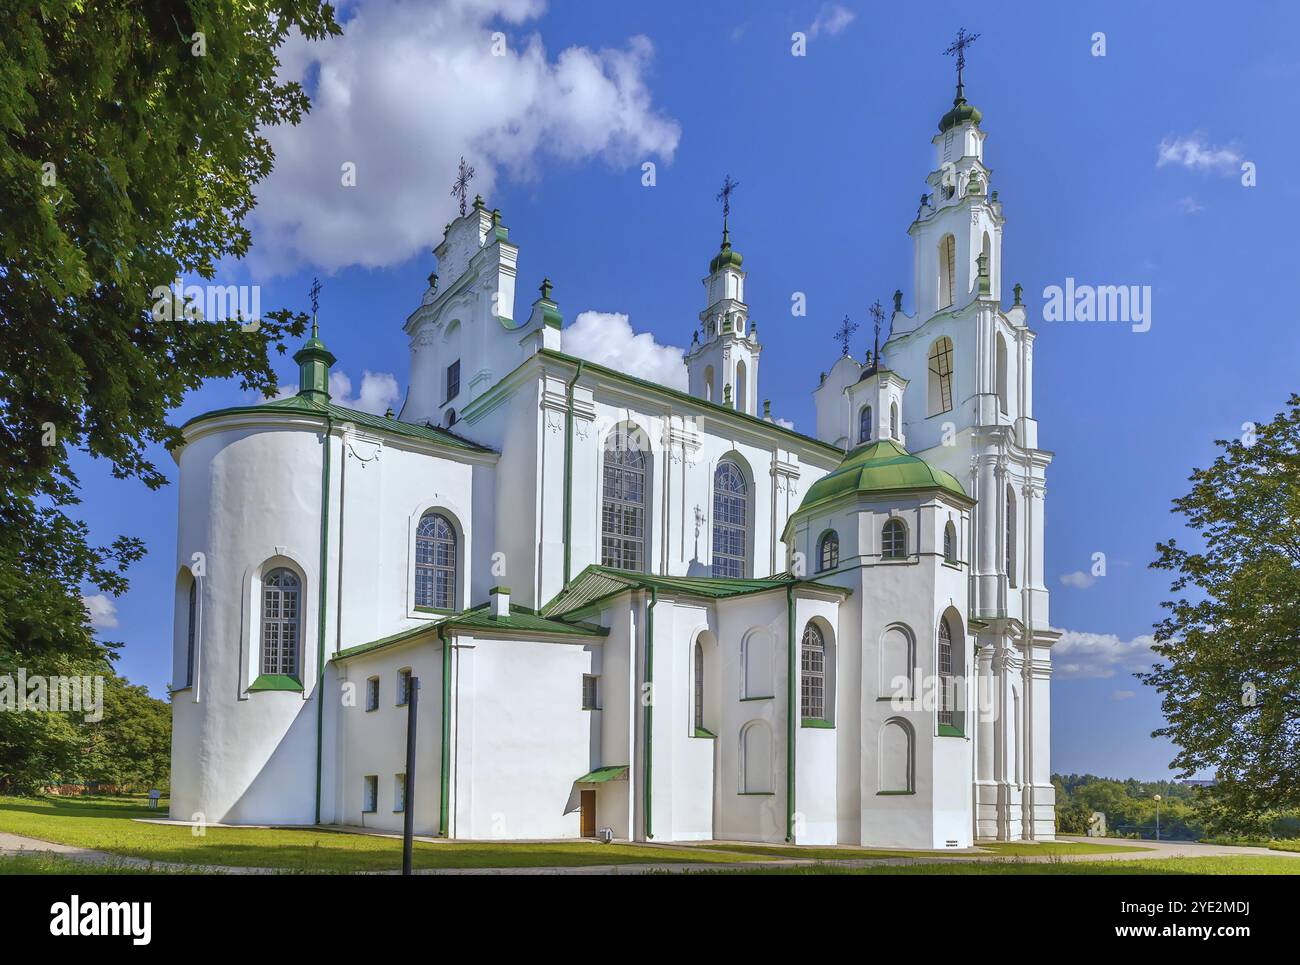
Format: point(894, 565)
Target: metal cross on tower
point(315, 304)
point(958, 47)
point(847, 328)
point(728, 186)
point(877, 317)
point(461, 185)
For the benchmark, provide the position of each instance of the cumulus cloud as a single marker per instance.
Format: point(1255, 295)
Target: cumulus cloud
point(379, 390)
point(1195, 152)
point(784, 422)
point(607, 339)
point(1094, 656)
point(831, 19)
point(410, 88)
point(1078, 579)
point(102, 610)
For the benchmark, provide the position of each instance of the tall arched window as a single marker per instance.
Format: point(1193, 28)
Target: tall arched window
point(864, 424)
point(828, 551)
point(435, 562)
point(947, 698)
point(281, 622)
point(813, 677)
point(947, 268)
point(1001, 373)
point(893, 540)
point(730, 520)
point(939, 397)
point(699, 686)
point(950, 543)
point(622, 510)
point(893, 420)
point(190, 632)
point(742, 387)
point(1011, 536)
point(756, 758)
point(708, 383)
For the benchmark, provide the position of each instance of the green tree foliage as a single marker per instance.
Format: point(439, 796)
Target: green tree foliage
point(1129, 806)
point(1230, 643)
point(131, 140)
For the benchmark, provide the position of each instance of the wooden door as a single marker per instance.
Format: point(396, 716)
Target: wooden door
point(588, 814)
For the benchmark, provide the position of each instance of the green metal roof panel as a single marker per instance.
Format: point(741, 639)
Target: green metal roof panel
point(880, 467)
point(297, 403)
point(611, 772)
point(595, 583)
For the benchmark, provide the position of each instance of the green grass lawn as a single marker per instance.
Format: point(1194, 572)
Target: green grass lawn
point(50, 864)
point(1228, 865)
point(1017, 848)
point(105, 824)
point(813, 852)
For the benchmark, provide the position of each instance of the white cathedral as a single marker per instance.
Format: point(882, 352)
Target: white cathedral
point(628, 607)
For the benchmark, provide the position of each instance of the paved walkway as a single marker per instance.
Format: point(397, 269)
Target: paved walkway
point(11, 844)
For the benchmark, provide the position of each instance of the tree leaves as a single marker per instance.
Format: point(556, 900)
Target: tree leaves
point(1230, 641)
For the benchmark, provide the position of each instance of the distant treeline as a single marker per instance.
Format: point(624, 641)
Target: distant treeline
point(1186, 812)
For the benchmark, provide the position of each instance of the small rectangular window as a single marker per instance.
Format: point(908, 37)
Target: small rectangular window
point(453, 380)
point(403, 686)
point(372, 694)
point(590, 692)
point(370, 794)
point(399, 793)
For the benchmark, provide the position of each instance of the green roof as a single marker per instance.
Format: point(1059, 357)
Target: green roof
point(520, 621)
point(882, 466)
point(596, 583)
point(301, 405)
point(611, 772)
point(960, 113)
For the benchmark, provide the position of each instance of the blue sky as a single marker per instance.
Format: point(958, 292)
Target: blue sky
point(831, 150)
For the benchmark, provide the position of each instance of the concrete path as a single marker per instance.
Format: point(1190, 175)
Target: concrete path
point(11, 844)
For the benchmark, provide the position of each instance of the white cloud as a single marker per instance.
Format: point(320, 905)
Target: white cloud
point(1123, 694)
point(1078, 579)
point(831, 19)
point(410, 88)
point(1081, 656)
point(1193, 151)
point(784, 422)
point(102, 610)
point(379, 390)
point(607, 339)
point(1190, 205)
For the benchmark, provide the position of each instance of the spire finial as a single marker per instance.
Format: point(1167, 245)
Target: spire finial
point(545, 288)
point(728, 186)
point(315, 304)
point(460, 187)
point(877, 316)
point(958, 47)
point(847, 328)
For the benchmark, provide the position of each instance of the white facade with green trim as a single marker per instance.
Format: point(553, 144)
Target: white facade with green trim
point(889, 686)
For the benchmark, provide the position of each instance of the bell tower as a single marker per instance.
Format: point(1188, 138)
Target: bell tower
point(722, 362)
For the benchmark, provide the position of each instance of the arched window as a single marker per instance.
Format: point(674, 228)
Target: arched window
point(435, 562)
point(986, 249)
point(893, 420)
point(896, 763)
point(1001, 374)
point(813, 665)
point(864, 424)
point(190, 632)
point(730, 520)
point(622, 509)
point(281, 622)
point(708, 383)
point(742, 387)
point(828, 551)
point(1011, 536)
point(756, 758)
point(947, 267)
point(946, 695)
point(939, 397)
point(699, 686)
point(950, 543)
point(893, 540)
